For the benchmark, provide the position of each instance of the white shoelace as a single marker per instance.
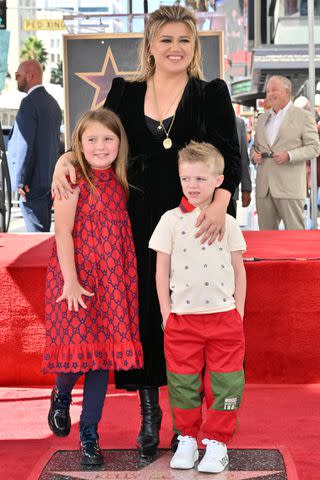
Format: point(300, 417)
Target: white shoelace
point(185, 443)
point(215, 448)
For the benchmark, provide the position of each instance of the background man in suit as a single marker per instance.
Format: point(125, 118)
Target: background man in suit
point(33, 147)
point(286, 137)
point(246, 186)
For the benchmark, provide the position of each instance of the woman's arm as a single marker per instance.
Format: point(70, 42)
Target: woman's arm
point(60, 187)
point(162, 282)
point(240, 281)
point(64, 214)
point(222, 133)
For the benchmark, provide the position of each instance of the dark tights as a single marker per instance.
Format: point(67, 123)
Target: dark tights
point(94, 392)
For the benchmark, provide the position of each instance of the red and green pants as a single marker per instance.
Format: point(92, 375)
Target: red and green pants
point(204, 356)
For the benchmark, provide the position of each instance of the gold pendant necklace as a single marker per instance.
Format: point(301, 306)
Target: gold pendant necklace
point(167, 142)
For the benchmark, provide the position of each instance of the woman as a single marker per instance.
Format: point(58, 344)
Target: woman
point(162, 110)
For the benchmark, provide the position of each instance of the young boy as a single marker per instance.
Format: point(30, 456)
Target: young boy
point(201, 290)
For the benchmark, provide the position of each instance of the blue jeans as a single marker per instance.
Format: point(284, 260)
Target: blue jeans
point(37, 212)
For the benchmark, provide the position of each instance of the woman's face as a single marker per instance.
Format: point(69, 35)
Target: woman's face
point(173, 48)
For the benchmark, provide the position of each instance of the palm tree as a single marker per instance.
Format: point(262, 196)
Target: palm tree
point(33, 49)
point(57, 74)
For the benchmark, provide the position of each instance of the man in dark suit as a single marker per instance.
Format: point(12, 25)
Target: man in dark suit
point(33, 147)
point(246, 185)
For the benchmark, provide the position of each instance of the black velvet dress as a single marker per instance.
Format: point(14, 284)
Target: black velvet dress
point(204, 114)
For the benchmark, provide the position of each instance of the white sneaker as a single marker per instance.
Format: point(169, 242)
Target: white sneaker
point(186, 454)
point(216, 457)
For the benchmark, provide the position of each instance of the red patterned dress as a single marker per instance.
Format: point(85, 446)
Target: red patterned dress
point(106, 334)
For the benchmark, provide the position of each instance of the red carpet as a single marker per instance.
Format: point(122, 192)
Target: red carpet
point(281, 320)
point(271, 417)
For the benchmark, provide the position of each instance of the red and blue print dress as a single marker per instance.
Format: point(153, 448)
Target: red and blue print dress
point(106, 334)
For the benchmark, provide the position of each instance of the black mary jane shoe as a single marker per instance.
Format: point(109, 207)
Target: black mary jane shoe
point(89, 446)
point(59, 417)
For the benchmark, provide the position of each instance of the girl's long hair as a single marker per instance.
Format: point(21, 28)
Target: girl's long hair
point(158, 19)
point(111, 121)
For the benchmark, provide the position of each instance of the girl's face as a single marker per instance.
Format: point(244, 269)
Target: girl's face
point(173, 48)
point(100, 146)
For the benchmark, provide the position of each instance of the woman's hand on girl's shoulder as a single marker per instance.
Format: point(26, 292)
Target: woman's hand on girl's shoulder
point(60, 187)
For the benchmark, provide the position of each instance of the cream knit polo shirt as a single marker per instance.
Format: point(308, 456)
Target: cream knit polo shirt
point(201, 276)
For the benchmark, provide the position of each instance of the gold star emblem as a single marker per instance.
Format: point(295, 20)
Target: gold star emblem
point(101, 81)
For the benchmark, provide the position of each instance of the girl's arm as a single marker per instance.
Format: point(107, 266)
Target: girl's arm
point(64, 213)
point(60, 187)
point(240, 281)
point(162, 282)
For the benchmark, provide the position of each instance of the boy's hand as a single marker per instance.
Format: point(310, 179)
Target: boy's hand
point(165, 316)
point(73, 294)
point(241, 312)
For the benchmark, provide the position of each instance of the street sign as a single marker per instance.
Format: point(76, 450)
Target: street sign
point(38, 24)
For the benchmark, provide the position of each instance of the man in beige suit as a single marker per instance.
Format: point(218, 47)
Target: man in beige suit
point(286, 137)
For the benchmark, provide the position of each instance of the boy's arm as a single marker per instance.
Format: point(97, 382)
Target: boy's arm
point(162, 282)
point(64, 214)
point(240, 280)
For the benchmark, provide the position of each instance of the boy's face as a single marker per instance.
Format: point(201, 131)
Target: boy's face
point(198, 183)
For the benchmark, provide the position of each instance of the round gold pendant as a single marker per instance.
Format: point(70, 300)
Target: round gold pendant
point(167, 143)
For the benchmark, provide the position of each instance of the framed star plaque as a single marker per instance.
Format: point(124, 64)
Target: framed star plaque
point(92, 61)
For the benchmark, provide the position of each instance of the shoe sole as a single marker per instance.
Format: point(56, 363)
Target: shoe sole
point(195, 459)
point(92, 462)
point(217, 470)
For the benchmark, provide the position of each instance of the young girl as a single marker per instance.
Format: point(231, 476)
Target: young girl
point(92, 293)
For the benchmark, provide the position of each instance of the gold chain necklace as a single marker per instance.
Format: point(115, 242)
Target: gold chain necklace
point(167, 142)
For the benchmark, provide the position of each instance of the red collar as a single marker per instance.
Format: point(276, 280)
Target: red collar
point(185, 206)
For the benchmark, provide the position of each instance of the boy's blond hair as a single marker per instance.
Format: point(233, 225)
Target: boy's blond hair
point(204, 153)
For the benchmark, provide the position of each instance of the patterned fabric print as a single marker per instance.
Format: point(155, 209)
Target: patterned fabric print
point(106, 335)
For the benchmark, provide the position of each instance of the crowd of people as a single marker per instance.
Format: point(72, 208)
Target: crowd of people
point(147, 248)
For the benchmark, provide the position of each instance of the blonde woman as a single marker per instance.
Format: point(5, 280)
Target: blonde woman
point(168, 105)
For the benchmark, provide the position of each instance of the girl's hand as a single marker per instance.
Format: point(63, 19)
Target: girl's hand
point(60, 187)
point(73, 294)
point(212, 221)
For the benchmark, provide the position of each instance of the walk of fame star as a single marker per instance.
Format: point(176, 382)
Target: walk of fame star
point(102, 80)
point(160, 470)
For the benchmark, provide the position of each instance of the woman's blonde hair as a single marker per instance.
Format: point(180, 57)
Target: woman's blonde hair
point(158, 19)
point(204, 153)
point(111, 121)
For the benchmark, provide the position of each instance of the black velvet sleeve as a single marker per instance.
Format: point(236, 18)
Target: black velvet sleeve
point(222, 132)
point(115, 94)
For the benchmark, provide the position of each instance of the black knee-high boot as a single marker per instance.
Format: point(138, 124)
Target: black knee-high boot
point(151, 416)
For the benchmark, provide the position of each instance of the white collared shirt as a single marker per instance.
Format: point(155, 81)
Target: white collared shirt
point(33, 88)
point(201, 276)
point(274, 122)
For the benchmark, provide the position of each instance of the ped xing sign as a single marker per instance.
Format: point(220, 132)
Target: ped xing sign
point(47, 24)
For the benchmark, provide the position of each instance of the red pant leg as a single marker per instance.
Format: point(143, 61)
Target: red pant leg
point(184, 351)
point(224, 376)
